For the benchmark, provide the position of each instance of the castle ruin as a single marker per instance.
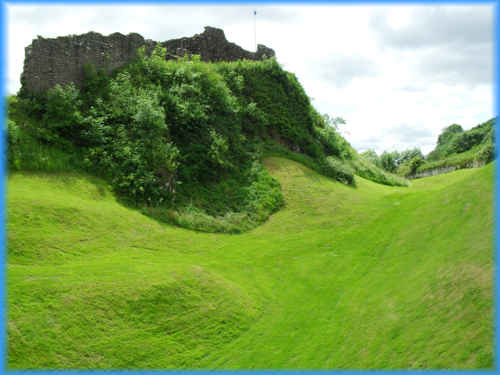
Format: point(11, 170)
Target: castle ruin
point(61, 60)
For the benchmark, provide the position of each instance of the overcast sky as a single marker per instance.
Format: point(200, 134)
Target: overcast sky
point(397, 74)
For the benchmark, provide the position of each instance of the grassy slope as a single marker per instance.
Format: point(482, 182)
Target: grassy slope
point(365, 277)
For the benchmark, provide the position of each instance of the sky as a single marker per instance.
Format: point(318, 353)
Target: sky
point(396, 74)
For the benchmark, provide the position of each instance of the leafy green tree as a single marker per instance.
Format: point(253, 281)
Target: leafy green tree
point(410, 166)
point(372, 157)
point(160, 129)
point(407, 155)
point(333, 121)
point(448, 133)
point(389, 161)
point(415, 162)
point(62, 119)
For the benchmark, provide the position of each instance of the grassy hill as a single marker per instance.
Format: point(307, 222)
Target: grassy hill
point(364, 276)
point(455, 149)
point(183, 140)
point(336, 264)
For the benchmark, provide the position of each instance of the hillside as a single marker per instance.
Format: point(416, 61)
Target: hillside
point(183, 140)
point(342, 277)
point(455, 149)
point(178, 213)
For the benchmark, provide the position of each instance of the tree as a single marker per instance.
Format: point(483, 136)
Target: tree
point(448, 133)
point(410, 166)
point(372, 157)
point(409, 154)
point(389, 161)
point(333, 121)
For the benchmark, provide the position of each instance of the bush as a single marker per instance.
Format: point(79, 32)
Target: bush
point(333, 167)
point(486, 154)
point(410, 166)
point(389, 161)
point(454, 140)
point(184, 135)
point(13, 145)
point(370, 171)
point(372, 157)
point(62, 118)
point(462, 149)
point(26, 153)
point(129, 143)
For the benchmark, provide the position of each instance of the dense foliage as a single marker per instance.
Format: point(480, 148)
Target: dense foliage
point(455, 148)
point(459, 149)
point(454, 140)
point(181, 139)
point(370, 170)
point(403, 163)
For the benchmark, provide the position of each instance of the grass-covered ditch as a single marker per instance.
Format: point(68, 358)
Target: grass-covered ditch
point(369, 276)
point(322, 260)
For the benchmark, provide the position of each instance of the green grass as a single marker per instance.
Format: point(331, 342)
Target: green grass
point(370, 276)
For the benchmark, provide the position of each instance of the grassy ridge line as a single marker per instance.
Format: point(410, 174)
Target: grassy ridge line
point(342, 277)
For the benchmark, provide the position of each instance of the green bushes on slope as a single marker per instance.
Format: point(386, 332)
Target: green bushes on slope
point(459, 148)
point(455, 148)
point(28, 150)
point(367, 169)
point(184, 136)
point(454, 140)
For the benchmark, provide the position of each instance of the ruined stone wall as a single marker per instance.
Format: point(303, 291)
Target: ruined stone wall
point(441, 170)
point(212, 45)
point(61, 60)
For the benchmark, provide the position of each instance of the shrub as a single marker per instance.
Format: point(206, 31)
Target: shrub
point(448, 134)
point(389, 161)
point(13, 145)
point(333, 167)
point(62, 118)
point(410, 166)
point(372, 157)
point(186, 134)
point(370, 171)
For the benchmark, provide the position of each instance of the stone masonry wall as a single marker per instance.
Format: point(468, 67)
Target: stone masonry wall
point(441, 170)
point(61, 60)
point(212, 45)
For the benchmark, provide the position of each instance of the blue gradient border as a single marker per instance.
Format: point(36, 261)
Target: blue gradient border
point(497, 181)
point(3, 77)
point(3, 196)
point(250, 2)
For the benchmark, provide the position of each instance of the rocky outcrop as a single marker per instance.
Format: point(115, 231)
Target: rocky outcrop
point(51, 61)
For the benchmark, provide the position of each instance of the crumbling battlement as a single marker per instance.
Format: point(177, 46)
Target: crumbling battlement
point(61, 60)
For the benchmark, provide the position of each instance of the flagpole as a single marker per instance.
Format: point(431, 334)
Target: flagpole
point(255, 28)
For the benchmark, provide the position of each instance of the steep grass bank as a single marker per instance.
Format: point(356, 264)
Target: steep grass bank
point(342, 277)
point(183, 140)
